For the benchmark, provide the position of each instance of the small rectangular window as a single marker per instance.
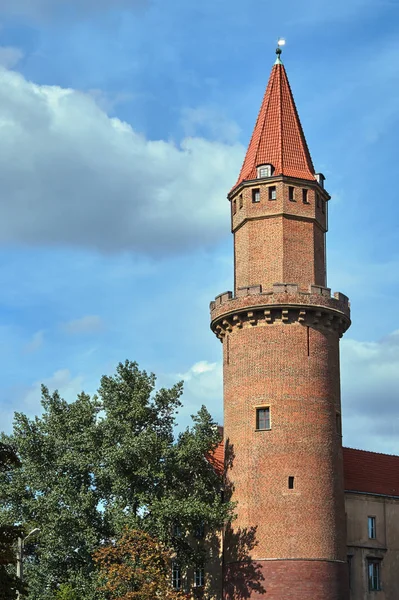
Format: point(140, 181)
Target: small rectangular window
point(372, 528)
point(374, 574)
point(305, 196)
point(177, 530)
point(291, 192)
point(199, 577)
point(240, 201)
point(272, 192)
point(291, 482)
point(234, 206)
point(263, 418)
point(176, 576)
point(256, 195)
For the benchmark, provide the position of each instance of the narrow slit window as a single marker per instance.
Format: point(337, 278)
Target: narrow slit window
point(256, 195)
point(234, 206)
point(372, 528)
point(199, 577)
point(263, 418)
point(291, 482)
point(305, 196)
point(176, 576)
point(272, 192)
point(240, 201)
point(374, 574)
point(291, 194)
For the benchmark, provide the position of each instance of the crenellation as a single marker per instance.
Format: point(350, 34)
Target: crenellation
point(287, 292)
point(323, 291)
point(251, 290)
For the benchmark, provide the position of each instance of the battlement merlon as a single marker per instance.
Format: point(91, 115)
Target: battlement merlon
point(283, 300)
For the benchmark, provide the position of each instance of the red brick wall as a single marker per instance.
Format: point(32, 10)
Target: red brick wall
point(279, 240)
point(270, 365)
point(291, 580)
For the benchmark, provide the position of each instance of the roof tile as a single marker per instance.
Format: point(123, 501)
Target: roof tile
point(278, 138)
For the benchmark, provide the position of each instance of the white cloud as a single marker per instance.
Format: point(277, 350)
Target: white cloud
point(86, 324)
point(370, 385)
point(10, 56)
point(209, 122)
point(73, 176)
point(203, 384)
point(35, 343)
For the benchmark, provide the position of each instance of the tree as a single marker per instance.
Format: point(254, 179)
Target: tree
point(91, 467)
point(136, 567)
point(9, 584)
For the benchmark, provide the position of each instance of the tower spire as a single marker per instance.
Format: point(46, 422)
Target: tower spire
point(278, 137)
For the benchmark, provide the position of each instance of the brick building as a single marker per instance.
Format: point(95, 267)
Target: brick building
point(280, 331)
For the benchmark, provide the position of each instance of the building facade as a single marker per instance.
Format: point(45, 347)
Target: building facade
point(280, 330)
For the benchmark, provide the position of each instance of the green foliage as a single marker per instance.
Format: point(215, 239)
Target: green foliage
point(9, 584)
point(91, 467)
point(66, 592)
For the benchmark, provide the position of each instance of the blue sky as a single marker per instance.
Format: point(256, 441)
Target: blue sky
point(123, 124)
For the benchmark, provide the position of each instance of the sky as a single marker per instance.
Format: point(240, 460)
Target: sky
point(123, 124)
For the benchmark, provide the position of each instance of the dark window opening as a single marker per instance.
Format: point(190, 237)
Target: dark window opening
point(290, 483)
point(263, 418)
point(272, 192)
point(291, 194)
point(199, 577)
point(374, 574)
point(305, 197)
point(371, 528)
point(256, 195)
point(176, 576)
point(177, 532)
point(234, 207)
point(240, 201)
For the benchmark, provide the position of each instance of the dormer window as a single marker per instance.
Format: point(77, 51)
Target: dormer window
point(264, 171)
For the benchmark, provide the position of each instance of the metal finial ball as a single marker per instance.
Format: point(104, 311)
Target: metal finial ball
point(278, 51)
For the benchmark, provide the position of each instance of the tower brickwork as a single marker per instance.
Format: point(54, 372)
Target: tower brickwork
point(280, 331)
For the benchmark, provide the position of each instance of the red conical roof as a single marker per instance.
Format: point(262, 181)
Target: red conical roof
point(278, 137)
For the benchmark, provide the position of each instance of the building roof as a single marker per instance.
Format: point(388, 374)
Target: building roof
point(371, 472)
point(278, 138)
point(366, 472)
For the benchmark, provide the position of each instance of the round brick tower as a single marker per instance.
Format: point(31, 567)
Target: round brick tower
point(282, 407)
